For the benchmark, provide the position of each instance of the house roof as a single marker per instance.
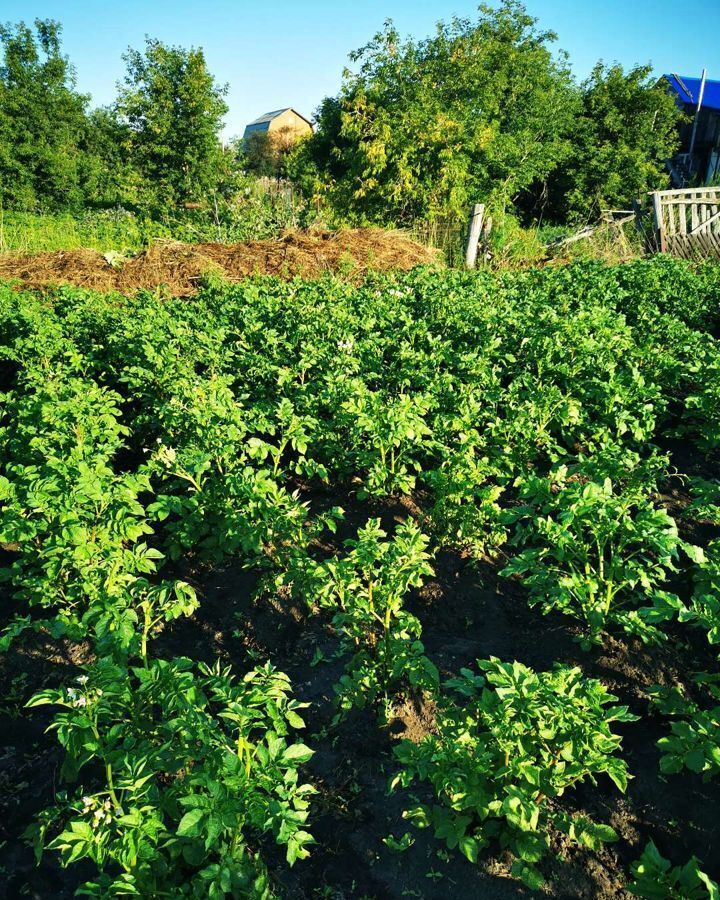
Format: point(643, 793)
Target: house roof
point(269, 116)
point(687, 90)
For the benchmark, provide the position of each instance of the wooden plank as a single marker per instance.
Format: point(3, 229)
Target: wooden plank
point(694, 247)
point(704, 217)
point(707, 220)
point(710, 244)
point(659, 228)
point(682, 212)
point(689, 202)
point(687, 222)
point(687, 191)
point(676, 246)
point(585, 232)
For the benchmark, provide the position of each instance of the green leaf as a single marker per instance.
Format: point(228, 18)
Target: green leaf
point(189, 825)
point(294, 719)
point(528, 874)
point(695, 760)
point(469, 848)
point(297, 753)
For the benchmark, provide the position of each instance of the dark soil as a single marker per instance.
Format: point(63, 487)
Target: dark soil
point(467, 612)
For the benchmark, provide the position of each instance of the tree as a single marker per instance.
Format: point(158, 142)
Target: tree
point(628, 128)
point(42, 120)
point(479, 111)
point(265, 153)
point(174, 112)
point(108, 175)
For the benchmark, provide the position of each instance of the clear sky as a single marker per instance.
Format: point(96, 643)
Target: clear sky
point(276, 53)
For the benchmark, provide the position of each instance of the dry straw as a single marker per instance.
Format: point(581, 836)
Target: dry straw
point(179, 268)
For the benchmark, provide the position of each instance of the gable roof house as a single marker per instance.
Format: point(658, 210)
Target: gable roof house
point(283, 124)
point(699, 156)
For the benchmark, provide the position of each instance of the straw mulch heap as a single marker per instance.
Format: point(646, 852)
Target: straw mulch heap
point(179, 268)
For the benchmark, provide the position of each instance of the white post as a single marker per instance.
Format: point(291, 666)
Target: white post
point(476, 221)
point(697, 112)
point(659, 223)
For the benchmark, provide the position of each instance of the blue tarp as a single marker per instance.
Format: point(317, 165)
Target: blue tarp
point(688, 91)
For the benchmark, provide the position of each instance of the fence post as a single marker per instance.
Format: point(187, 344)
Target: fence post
point(487, 228)
point(659, 225)
point(475, 226)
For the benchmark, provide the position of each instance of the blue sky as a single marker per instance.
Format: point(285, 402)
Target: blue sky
point(283, 53)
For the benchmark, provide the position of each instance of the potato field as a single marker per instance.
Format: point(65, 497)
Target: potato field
point(407, 587)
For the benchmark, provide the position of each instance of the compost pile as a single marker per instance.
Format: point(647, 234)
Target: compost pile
point(181, 267)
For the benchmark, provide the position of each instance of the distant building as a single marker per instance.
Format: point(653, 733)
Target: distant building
point(283, 125)
point(698, 160)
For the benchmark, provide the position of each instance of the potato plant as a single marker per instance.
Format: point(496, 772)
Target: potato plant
point(655, 878)
point(365, 589)
point(512, 418)
point(694, 739)
point(179, 769)
point(466, 489)
point(509, 743)
point(703, 404)
point(705, 504)
point(220, 485)
point(703, 610)
point(78, 529)
point(243, 511)
point(387, 433)
point(595, 550)
point(288, 430)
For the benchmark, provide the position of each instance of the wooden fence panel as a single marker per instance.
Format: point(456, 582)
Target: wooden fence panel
point(694, 246)
point(687, 222)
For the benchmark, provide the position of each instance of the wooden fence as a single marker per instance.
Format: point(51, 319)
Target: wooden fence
point(687, 222)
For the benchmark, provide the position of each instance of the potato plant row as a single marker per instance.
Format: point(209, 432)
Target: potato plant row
point(529, 416)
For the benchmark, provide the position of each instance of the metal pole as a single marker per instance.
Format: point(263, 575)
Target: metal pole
point(697, 111)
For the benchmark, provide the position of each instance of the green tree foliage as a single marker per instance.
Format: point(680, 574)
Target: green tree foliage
point(42, 120)
point(109, 175)
point(267, 153)
point(482, 109)
point(627, 129)
point(174, 111)
point(258, 155)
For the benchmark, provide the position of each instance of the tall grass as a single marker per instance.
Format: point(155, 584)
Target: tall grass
point(265, 210)
point(512, 246)
point(106, 230)
point(262, 208)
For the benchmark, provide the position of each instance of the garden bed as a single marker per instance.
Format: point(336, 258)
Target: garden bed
point(204, 491)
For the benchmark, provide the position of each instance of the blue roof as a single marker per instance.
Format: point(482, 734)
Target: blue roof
point(687, 90)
